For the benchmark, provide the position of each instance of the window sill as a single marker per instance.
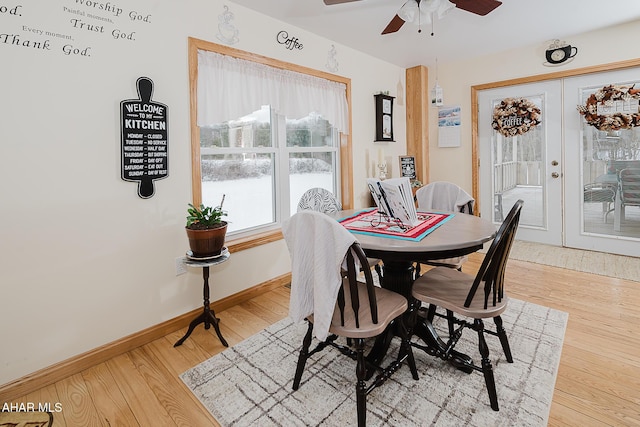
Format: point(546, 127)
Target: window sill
point(248, 242)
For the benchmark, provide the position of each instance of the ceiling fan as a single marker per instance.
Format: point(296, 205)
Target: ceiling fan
point(425, 8)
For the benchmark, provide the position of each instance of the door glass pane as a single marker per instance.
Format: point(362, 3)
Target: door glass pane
point(518, 164)
point(605, 152)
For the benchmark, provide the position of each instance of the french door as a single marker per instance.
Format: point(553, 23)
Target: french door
point(596, 158)
point(527, 165)
point(564, 169)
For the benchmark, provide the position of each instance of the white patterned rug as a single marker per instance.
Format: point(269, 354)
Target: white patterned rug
point(250, 383)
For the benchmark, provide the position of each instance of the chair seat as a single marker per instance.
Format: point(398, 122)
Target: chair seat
point(390, 306)
point(448, 288)
point(455, 262)
point(601, 194)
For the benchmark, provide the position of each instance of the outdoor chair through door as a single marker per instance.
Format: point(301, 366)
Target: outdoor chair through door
point(628, 192)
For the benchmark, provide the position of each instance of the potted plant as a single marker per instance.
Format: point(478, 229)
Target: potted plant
point(206, 230)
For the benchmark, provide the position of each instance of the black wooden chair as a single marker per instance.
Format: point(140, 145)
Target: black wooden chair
point(444, 196)
point(477, 298)
point(362, 311)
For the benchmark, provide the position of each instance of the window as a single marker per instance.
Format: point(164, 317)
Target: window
point(264, 160)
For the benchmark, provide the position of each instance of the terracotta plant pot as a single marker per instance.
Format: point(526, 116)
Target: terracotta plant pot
point(207, 242)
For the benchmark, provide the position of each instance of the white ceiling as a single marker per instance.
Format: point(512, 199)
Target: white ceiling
point(458, 35)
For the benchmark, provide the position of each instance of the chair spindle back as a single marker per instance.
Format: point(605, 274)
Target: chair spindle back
point(351, 279)
point(629, 182)
point(494, 265)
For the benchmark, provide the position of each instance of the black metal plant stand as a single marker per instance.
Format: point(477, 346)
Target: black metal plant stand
point(208, 316)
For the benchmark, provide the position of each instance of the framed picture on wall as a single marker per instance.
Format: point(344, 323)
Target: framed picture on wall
point(384, 117)
point(408, 167)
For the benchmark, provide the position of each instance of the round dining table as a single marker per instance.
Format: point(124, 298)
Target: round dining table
point(460, 235)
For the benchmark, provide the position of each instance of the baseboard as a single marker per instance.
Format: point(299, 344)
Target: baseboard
point(51, 374)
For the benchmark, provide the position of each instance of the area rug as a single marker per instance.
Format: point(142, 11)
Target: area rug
point(604, 264)
point(250, 383)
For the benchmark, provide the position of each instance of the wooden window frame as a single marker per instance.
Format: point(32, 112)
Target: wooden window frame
point(346, 153)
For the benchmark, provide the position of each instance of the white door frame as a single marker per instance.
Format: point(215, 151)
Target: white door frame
point(475, 139)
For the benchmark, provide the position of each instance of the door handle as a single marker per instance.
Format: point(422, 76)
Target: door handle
point(555, 175)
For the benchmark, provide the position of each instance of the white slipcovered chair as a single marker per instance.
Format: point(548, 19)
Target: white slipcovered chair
point(322, 200)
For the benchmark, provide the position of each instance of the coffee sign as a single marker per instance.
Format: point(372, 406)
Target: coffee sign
point(290, 42)
point(144, 139)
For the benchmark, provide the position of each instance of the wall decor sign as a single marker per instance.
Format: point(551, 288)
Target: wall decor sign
point(515, 116)
point(290, 43)
point(227, 33)
point(384, 117)
point(449, 125)
point(143, 129)
point(612, 107)
point(559, 52)
point(408, 167)
point(332, 62)
point(73, 28)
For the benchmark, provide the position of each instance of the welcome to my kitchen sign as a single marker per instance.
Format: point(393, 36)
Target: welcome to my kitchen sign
point(144, 139)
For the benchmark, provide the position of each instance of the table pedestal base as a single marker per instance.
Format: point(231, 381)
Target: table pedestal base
point(398, 276)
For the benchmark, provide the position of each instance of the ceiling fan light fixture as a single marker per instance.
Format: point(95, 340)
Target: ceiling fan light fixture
point(429, 5)
point(424, 12)
point(424, 18)
point(409, 11)
point(444, 8)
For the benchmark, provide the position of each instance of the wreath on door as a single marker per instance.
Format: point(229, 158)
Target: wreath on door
point(515, 116)
point(613, 107)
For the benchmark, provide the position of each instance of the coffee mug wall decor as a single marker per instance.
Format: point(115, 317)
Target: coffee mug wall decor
point(559, 52)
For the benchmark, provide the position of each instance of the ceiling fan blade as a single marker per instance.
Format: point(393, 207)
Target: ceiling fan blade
point(393, 26)
point(331, 2)
point(479, 7)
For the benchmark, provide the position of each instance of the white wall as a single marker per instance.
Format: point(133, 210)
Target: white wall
point(594, 48)
point(83, 260)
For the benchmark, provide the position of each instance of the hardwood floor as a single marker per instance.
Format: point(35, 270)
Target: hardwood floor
point(598, 382)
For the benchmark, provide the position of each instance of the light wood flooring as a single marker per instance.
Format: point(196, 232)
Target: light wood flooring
point(598, 382)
